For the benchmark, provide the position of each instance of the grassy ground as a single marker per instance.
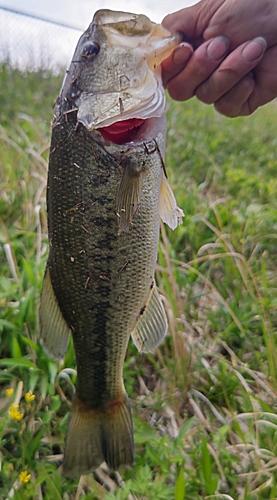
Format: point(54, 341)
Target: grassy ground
point(204, 403)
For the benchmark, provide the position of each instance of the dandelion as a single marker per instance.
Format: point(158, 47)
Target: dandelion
point(15, 414)
point(29, 397)
point(24, 477)
point(9, 392)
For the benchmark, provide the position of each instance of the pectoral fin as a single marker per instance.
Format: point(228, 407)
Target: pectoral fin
point(129, 194)
point(152, 325)
point(54, 331)
point(170, 213)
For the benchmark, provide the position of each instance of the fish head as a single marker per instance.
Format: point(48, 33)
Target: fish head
point(114, 80)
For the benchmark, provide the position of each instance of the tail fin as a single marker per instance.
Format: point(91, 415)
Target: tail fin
point(98, 435)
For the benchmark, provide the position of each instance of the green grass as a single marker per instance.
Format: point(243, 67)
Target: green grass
point(205, 402)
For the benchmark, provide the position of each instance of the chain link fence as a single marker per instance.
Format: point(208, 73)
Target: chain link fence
point(31, 43)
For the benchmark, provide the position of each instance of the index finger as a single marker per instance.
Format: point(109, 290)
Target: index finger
point(200, 66)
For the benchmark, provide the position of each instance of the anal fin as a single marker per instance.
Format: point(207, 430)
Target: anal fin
point(151, 326)
point(170, 213)
point(54, 331)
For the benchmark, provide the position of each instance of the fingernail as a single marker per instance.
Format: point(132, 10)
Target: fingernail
point(182, 53)
point(218, 47)
point(254, 49)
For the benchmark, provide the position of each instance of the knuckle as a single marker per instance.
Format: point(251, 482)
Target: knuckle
point(226, 108)
point(178, 92)
point(205, 94)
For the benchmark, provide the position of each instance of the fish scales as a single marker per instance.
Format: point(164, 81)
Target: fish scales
point(98, 302)
point(106, 193)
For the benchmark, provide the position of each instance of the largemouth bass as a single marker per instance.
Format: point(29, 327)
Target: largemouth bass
point(106, 192)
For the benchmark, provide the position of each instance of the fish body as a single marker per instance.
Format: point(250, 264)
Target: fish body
point(106, 192)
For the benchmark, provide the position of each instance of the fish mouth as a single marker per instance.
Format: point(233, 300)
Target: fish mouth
point(134, 131)
point(114, 80)
point(123, 131)
point(126, 123)
point(136, 124)
point(136, 47)
point(131, 49)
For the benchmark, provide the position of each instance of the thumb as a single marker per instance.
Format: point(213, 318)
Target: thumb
point(172, 66)
point(184, 20)
point(193, 21)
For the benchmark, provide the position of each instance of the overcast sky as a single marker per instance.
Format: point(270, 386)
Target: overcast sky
point(29, 43)
point(79, 12)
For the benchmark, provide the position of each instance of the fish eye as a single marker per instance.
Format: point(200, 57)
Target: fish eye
point(89, 50)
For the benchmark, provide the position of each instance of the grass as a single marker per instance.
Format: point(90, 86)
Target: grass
point(204, 403)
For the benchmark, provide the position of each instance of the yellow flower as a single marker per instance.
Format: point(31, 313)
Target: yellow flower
point(15, 414)
point(29, 397)
point(9, 392)
point(24, 477)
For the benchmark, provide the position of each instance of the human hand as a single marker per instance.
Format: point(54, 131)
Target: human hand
point(237, 83)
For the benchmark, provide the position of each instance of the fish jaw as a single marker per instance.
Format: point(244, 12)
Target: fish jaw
point(122, 80)
point(137, 31)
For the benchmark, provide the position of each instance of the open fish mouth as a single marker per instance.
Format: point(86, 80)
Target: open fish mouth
point(114, 80)
point(124, 116)
point(119, 80)
point(122, 131)
point(137, 125)
point(129, 126)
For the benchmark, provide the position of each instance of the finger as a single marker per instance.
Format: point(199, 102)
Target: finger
point(193, 20)
point(236, 101)
point(199, 67)
point(241, 21)
point(239, 63)
point(184, 20)
point(243, 99)
point(172, 66)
